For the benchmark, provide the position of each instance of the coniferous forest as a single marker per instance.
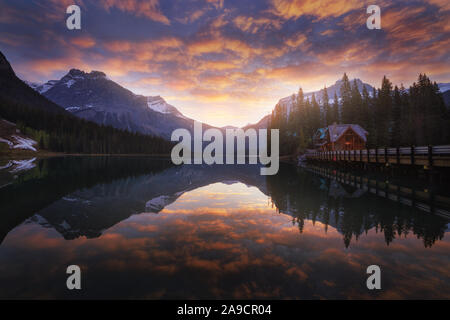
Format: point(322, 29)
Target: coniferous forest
point(393, 116)
point(62, 132)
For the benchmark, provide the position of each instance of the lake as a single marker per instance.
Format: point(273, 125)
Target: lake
point(141, 228)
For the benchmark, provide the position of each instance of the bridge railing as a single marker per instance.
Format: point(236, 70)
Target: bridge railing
point(384, 154)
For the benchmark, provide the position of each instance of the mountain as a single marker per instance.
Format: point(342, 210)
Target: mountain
point(104, 205)
point(92, 96)
point(261, 124)
point(41, 88)
point(287, 101)
point(335, 88)
point(446, 96)
point(58, 130)
point(15, 90)
point(443, 87)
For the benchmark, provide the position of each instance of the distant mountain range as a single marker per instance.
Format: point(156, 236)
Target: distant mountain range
point(92, 96)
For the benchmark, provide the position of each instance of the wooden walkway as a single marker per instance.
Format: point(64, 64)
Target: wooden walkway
point(428, 156)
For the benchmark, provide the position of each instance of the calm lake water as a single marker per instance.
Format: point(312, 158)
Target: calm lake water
point(142, 228)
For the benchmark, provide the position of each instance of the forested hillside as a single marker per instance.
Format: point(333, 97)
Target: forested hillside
point(392, 115)
point(57, 130)
point(66, 133)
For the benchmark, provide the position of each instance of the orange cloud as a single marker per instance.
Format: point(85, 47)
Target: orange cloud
point(288, 9)
point(253, 25)
point(84, 42)
point(149, 8)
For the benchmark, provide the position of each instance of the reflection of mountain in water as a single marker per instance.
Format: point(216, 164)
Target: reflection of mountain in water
point(87, 212)
point(55, 178)
point(84, 196)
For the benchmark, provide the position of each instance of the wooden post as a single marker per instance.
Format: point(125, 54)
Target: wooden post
point(412, 155)
point(398, 155)
point(430, 156)
point(376, 154)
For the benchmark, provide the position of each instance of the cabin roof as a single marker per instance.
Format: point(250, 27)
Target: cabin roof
point(337, 130)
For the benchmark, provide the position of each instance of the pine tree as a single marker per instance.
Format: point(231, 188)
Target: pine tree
point(336, 114)
point(365, 112)
point(356, 104)
point(315, 115)
point(347, 112)
point(407, 119)
point(383, 112)
point(326, 108)
point(396, 115)
point(300, 120)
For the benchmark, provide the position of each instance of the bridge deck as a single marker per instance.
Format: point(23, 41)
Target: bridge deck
point(428, 156)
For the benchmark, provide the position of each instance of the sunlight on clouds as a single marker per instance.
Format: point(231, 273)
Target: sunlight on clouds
point(149, 8)
point(229, 65)
point(289, 9)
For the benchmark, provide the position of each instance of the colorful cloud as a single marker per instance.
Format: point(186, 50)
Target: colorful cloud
point(228, 62)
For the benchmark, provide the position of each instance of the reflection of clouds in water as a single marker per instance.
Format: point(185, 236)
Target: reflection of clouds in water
point(221, 194)
point(251, 251)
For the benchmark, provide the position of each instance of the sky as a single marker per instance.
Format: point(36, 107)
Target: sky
point(228, 62)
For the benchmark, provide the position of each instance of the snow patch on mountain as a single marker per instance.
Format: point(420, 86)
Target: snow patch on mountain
point(444, 87)
point(41, 88)
point(70, 109)
point(70, 82)
point(158, 105)
point(18, 142)
point(24, 143)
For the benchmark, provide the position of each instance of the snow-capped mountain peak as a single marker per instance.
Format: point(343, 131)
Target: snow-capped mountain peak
point(95, 97)
point(42, 88)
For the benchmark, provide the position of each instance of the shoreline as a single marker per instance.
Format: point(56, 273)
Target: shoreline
point(25, 154)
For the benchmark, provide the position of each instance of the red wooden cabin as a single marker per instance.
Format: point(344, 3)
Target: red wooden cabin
point(337, 137)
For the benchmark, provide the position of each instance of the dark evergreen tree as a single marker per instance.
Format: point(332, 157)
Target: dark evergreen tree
point(346, 94)
point(327, 117)
point(336, 112)
point(396, 118)
point(383, 113)
point(356, 104)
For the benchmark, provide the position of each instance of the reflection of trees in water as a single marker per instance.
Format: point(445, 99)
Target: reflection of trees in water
point(307, 196)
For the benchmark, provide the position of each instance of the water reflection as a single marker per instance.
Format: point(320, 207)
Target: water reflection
point(140, 228)
point(352, 211)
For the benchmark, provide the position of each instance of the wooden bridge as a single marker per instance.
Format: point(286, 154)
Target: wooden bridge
point(426, 156)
